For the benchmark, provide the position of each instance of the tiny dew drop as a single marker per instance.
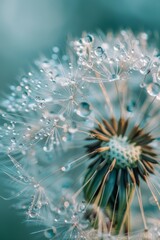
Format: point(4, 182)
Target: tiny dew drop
point(67, 137)
point(32, 214)
point(81, 207)
point(38, 205)
point(13, 140)
point(50, 233)
point(66, 204)
point(84, 109)
point(48, 147)
point(55, 49)
point(25, 95)
point(29, 128)
point(21, 145)
point(30, 74)
point(66, 168)
point(142, 85)
point(4, 115)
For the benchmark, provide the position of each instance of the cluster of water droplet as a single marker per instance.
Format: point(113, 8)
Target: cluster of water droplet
point(45, 106)
point(116, 57)
point(68, 221)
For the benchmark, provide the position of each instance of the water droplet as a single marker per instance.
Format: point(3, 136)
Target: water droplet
point(21, 145)
point(80, 52)
point(154, 90)
point(4, 115)
point(25, 179)
point(29, 128)
point(99, 52)
point(143, 70)
point(142, 85)
point(38, 205)
point(84, 109)
point(67, 137)
point(88, 39)
point(24, 80)
point(13, 140)
point(81, 207)
point(30, 74)
point(50, 233)
point(39, 99)
point(66, 168)
point(18, 88)
point(131, 106)
point(114, 77)
point(36, 185)
point(111, 60)
point(25, 95)
point(66, 204)
point(146, 60)
point(55, 49)
point(117, 47)
point(48, 147)
point(32, 214)
point(54, 56)
point(158, 75)
point(11, 127)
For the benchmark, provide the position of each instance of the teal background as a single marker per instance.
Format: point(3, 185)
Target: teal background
point(31, 27)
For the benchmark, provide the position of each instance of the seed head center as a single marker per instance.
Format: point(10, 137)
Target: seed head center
point(126, 154)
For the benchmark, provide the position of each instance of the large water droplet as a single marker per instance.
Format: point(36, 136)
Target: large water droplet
point(99, 52)
point(114, 77)
point(154, 90)
point(131, 105)
point(84, 109)
point(88, 39)
point(50, 233)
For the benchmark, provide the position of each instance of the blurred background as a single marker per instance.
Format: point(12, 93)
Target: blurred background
point(29, 28)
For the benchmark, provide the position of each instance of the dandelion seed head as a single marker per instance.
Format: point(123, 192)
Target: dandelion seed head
point(80, 133)
point(125, 153)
